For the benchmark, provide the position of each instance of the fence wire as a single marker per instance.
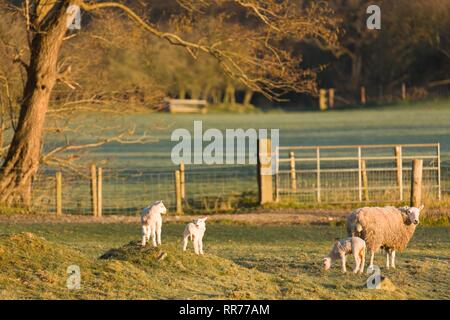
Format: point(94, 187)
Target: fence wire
point(126, 191)
point(219, 189)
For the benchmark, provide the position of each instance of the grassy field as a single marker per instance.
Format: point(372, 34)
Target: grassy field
point(425, 122)
point(133, 173)
point(242, 261)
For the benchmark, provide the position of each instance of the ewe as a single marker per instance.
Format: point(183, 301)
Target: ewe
point(195, 231)
point(151, 221)
point(354, 245)
point(389, 228)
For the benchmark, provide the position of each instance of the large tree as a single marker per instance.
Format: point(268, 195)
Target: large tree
point(269, 23)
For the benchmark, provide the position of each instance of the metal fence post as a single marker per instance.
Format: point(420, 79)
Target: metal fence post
point(399, 164)
point(359, 175)
point(100, 192)
point(318, 174)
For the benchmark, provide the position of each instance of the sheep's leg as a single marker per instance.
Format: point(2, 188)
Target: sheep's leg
point(387, 259)
point(158, 235)
point(200, 243)
point(144, 235)
point(344, 269)
point(393, 259)
point(358, 262)
point(195, 245)
point(185, 241)
point(153, 235)
point(363, 260)
point(372, 253)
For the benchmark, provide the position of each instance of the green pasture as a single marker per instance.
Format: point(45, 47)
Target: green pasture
point(241, 262)
point(425, 122)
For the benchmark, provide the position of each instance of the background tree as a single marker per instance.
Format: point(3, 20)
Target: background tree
point(46, 24)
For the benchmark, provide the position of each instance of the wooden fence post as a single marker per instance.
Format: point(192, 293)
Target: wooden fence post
point(416, 183)
point(331, 98)
point(365, 180)
point(318, 175)
point(363, 95)
point(179, 206)
point(404, 95)
point(293, 173)
point(323, 99)
point(399, 164)
point(100, 192)
point(182, 181)
point(58, 193)
point(94, 194)
point(264, 167)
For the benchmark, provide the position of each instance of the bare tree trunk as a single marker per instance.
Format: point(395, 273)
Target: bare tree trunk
point(355, 80)
point(229, 97)
point(248, 97)
point(22, 160)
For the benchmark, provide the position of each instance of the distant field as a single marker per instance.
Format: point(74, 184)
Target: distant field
point(427, 122)
point(135, 173)
point(241, 262)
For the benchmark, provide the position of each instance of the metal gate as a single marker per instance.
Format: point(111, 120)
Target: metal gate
point(355, 173)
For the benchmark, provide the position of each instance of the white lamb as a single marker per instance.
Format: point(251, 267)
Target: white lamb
point(195, 231)
point(354, 245)
point(151, 221)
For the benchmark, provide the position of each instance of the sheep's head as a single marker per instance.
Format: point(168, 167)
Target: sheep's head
point(200, 223)
point(161, 207)
point(327, 263)
point(411, 214)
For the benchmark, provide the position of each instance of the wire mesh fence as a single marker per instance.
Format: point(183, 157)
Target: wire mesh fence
point(127, 191)
point(330, 175)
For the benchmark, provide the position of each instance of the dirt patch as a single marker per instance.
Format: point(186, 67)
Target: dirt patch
point(285, 216)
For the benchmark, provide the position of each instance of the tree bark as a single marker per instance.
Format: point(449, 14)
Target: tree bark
point(22, 160)
point(355, 80)
point(248, 97)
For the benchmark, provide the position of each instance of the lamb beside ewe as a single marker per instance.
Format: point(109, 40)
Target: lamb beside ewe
point(195, 231)
point(151, 221)
point(389, 228)
point(341, 248)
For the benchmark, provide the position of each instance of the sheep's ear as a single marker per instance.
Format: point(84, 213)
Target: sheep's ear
point(205, 218)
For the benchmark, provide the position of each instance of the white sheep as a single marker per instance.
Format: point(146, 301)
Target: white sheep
point(195, 231)
point(341, 248)
point(151, 221)
point(389, 228)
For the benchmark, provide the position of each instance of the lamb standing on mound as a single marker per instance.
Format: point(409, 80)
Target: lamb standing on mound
point(151, 221)
point(195, 231)
point(389, 228)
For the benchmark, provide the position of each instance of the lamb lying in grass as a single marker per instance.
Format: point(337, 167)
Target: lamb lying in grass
point(195, 231)
point(151, 221)
point(341, 248)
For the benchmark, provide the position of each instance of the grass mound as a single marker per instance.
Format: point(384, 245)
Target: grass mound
point(35, 268)
point(186, 274)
